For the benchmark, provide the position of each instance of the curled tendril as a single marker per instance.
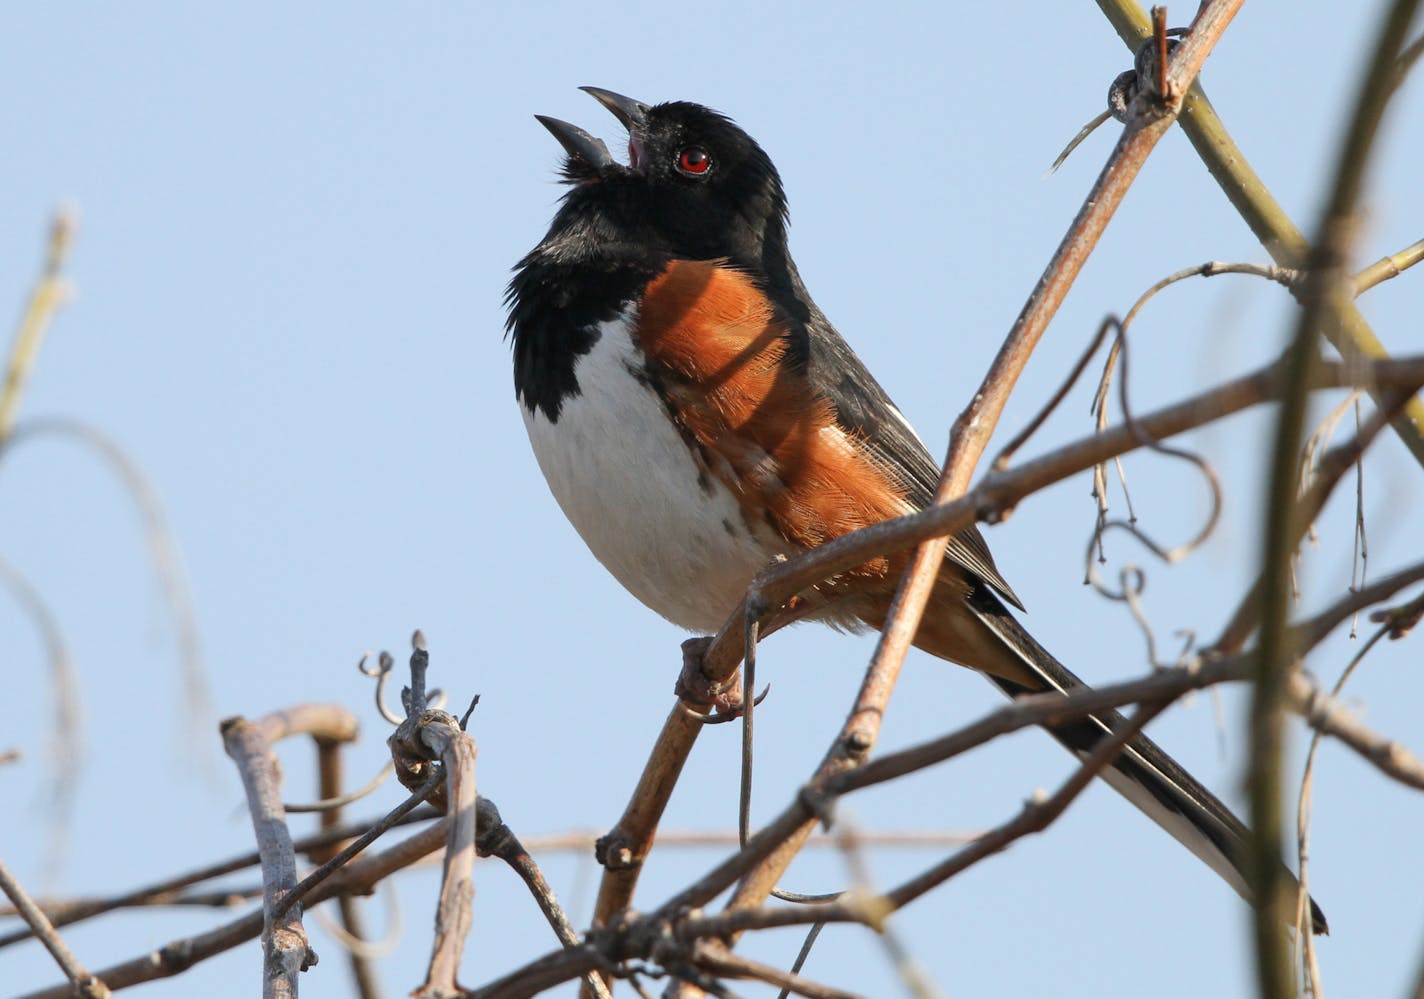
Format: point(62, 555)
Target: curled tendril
point(382, 672)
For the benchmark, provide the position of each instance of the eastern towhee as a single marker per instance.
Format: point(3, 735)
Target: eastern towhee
point(697, 416)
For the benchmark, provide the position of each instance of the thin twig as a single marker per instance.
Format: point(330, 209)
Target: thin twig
point(1347, 330)
point(717, 960)
point(1329, 717)
point(1092, 126)
point(217, 898)
point(311, 882)
point(1304, 936)
point(1405, 63)
point(910, 972)
point(63, 913)
point(337, 802)
point(350, 932)
point(998, 491)
point(1127, 593)
point(1388, 267)
point(179, 955)
point(854, 908)
point(1150, 117)
point(501, 842)
point(426, 737)
point(679, 916)
point(812, 935)
point(83, 983)
point(815, 800)
point(1330, 469)
point(623, 849)
point(1006, 453)
point(910, 839)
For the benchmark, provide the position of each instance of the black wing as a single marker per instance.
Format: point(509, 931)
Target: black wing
point(863, 408)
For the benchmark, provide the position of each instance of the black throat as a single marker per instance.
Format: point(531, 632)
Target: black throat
point(610, 237)
point(561, 291)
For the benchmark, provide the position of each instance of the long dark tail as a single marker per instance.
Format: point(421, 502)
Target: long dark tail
point(1143, 773)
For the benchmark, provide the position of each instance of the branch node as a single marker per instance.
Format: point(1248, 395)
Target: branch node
point(858, 742)
point(614, 852)
point(820, 802)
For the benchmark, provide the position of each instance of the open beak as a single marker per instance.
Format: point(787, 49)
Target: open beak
point(578, 143)
point(593, 151)
point(633, 114)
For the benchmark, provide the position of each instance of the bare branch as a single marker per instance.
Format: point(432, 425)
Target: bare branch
point(1305, 938)
point(1388, 267)
point(440, 733)
point(1329, 717)
point(638, 936)
point(179, 955)
point(1328, 474)
point(285, 947)
point(1152, 114)
point(501, 842)
point(83, 983)
point(1347, 330)
point(63, 913)
point(337, 802)
point(716, 959)
point(350, 933)
point(624, 847)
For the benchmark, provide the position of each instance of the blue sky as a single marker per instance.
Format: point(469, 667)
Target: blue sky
point(295, 229)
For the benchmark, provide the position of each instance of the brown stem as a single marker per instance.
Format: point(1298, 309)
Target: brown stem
point(501, 842)
point(640, 935)
point(1347, 329)
point(179, 955)
point(633, 835)
point(329, 788)
point(63, 913)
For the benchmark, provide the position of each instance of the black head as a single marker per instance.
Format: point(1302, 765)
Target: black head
point(695, 185)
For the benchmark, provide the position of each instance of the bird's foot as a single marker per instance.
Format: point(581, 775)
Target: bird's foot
point(699, 691)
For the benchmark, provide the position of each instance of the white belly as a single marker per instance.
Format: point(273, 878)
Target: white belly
point(628, 483)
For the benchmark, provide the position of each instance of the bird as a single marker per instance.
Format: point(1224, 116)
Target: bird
point(696, 416)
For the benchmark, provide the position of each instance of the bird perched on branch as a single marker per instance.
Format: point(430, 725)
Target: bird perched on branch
point(697, 416)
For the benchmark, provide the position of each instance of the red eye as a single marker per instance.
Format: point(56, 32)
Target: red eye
point(694, 161)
